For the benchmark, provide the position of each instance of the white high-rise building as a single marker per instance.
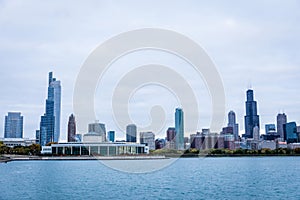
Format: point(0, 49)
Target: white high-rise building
point(256, 133)
point(148, 138)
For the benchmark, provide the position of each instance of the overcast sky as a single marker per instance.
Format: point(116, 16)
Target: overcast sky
point(253, 43)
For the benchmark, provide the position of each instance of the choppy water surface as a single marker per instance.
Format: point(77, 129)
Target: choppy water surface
point(188, 178)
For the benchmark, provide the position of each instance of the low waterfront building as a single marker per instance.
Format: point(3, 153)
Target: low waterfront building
point(229, 141)
point(293, 145)
point(12, 142)
point(252, 144)
point(267, 145)
point(281, 145)
point(270, 136)
point(99, 149)
point(46, 150)
point(207, 140)
point(237, 145)
point(170, 145)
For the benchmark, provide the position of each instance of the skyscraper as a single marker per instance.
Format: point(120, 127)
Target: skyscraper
point(171, 134)
point(47, 124)
point(290, 132)
point(148, 138)
point(50, 121)
point(232, 123)
point(71, 129)
point(131, 132)
point(13, 127)
point(251, 118)
point(55, 95)
point(179, 129)
point(281, 120)
point(270, 128)
point(98, 128)
point(111, 136)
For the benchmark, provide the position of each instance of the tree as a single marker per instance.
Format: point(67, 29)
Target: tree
point(297, 151)
point(35, 149)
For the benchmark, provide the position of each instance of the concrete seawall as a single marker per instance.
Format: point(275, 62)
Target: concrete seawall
point(45, 158)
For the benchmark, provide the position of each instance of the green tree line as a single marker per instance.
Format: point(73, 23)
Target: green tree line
point(226, 152)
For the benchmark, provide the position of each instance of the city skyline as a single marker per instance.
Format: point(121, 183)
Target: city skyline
point(54, 92)
point(256, 48)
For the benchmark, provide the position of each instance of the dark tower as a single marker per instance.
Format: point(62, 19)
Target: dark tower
point(251, 118)
point(71, 129)
point(281, 120)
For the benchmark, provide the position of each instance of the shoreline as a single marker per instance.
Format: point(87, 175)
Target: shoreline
point(5, 159)
point(10, 158)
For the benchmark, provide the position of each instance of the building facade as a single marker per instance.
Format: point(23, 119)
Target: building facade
point(98, 149)
point(50, 121)
point(232, 123)
point(256, 133)
point(171, 133)
point(13, 126)
point(148, 138)
point(179, 129)
point(111, 136)
point(96, 129)
point(71, 129)
point(54, 93)
point(290, 132)
point(251, 118)
point(281, 120)
point(131, 132)
point(13, 142)
point(270, 129)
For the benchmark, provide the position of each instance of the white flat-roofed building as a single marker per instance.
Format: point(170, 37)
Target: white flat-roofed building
point(293, 145)
point(99, 149)
point(148, 138)
point(46, 150)
point(12, 142)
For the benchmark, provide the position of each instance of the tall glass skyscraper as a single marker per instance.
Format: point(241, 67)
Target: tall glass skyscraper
point(232, 123)
point(290, 132)
point(50, 121)
point(111, 136)
point(13, 127)
point(251, 118)
point(179, 129)
point(131, 132)
point(55, 95)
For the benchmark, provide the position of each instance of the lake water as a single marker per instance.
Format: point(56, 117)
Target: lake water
point(187, 178)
